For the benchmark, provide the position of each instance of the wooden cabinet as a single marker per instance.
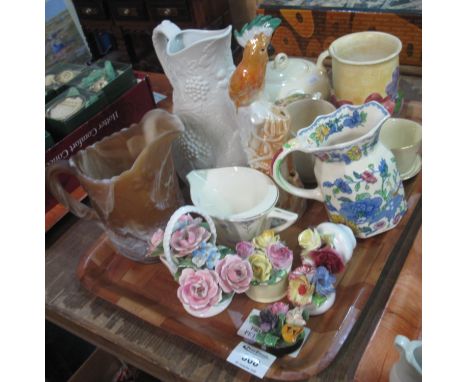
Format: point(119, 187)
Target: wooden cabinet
point(91, 10)
point(128, 25)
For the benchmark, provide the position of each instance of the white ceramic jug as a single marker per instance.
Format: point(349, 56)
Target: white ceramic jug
point(241, 202)
point(409, 367)
point(198, 64)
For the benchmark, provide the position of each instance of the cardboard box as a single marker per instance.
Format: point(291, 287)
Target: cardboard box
point(124, 79)
point(58, 85)
point(90, 106)
point(127, 109)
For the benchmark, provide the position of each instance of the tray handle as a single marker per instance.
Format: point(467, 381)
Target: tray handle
point(167, 259)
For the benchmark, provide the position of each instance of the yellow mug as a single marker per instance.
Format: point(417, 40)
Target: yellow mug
point(365, 67)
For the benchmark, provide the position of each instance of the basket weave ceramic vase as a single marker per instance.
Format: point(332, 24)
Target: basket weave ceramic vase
point(172, 263)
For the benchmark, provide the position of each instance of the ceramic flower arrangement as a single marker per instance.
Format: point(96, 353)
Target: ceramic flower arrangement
point(208, 275)
point(271, 262)
point(281, 329)
point(325, 251)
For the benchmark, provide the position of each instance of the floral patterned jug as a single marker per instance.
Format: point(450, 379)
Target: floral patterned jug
point(357, 176)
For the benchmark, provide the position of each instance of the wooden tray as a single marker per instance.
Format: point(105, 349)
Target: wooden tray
point(149, 292)
point(402, 315)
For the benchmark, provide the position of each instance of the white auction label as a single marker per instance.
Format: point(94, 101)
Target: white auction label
point(251, 359)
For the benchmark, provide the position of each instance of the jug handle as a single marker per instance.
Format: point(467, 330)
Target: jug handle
point(295, 144)
point(320, 60)
point(280, 61)
point(53, 172)
point(288, 217)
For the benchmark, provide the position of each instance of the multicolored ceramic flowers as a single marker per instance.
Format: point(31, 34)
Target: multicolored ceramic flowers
point(326, 249)
point(281, 328)
point(270, 258)
point(207, 274)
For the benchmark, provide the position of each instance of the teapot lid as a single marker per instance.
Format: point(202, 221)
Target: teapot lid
point(283, 68)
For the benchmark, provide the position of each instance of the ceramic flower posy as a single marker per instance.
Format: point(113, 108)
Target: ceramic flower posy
point(269, 258)
point(326, 249)
point(207, 274)
point(280, 327)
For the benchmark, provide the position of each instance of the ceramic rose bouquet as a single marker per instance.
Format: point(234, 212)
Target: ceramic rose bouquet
point(271, 262)
point(208, 275)
point(281, 329)
point(325, 251)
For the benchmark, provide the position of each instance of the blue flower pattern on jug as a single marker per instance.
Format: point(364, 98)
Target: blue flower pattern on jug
point(383, 168)
point(367, 212)
point(361, 211)
point(341, 185)
point(353, 121)
point(336, 125)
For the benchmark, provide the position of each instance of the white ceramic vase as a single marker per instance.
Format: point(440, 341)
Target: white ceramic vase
point(317, 310)
point(268, 293)
point(341, 238)
point(213, 311)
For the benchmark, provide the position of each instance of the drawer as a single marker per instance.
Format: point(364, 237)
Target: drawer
point(175, 10)
point(128, 10)
point(93, 10)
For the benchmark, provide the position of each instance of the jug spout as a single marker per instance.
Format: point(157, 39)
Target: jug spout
point(160, 129)
point(409, 367)
point(162, 34)
point(197, 179)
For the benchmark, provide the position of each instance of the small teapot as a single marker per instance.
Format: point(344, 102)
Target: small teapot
point(287, 76)
point(409, 367)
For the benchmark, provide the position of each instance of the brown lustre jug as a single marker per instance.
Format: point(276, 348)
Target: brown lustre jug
point(131, 182)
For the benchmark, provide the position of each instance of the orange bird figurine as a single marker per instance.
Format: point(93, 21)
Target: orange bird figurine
point(247, 81)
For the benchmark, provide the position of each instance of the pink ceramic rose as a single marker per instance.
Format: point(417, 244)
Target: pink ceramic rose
point(244, 249)
point(199, 289)
point(305, 269)
point(188, 239)
point(186, 220)
point(235, 274)
point(156, 240)
point(279, 307)
point(280, 256)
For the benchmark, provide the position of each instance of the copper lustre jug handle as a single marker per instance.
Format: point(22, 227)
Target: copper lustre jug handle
point(53, 173)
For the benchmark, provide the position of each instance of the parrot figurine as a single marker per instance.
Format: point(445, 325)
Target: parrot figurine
point(247, 81)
